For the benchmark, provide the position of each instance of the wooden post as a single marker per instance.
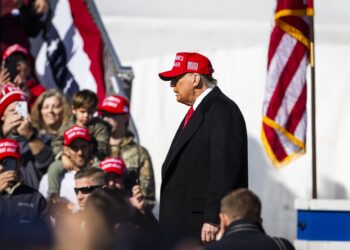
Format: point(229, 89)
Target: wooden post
point(313, 109)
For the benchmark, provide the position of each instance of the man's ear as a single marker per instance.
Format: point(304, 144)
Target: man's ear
point(224, 221)
point(73, 110)
point(65, 150)
point(196, 80)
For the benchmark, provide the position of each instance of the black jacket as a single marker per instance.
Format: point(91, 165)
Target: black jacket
point(23, 205)
point(24, 223)
point(206, 160)
point(248, 235)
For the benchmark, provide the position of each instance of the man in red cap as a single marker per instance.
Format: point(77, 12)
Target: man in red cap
point(77, 147)
point(18, 69)
point(117, 177)
point(120, 178)
point(115, 170)
point(115, 111)
point(19, 203)
point(208, 155)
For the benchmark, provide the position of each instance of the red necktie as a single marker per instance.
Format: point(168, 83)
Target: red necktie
point(188, 116)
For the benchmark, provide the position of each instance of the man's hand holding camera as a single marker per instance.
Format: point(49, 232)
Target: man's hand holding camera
point(20, 123)
point(6, 178)
point(11, 122)
point(25, 128)
point(137, 199)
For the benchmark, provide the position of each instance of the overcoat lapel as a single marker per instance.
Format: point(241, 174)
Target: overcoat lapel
point(165, 164)
point(183, 135)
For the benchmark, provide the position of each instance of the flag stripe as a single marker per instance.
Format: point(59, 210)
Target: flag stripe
point(285, 79)
point(274, 142)
point(300, 131)
point(278, 62)
point(292, 93)
point(276, 37)
point(93, 45)
point(297, 112)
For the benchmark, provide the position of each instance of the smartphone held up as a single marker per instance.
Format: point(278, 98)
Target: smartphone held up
point(22, 109)
point(9, 164)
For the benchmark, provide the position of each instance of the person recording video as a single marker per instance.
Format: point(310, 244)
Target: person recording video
point(17, 68)
point(13, 191)
point(17, 125)
point(127, 180)
point(115, 110)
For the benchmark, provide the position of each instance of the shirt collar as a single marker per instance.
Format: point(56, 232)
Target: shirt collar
point(201, 97)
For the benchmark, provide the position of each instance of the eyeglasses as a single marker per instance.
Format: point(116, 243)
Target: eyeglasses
point(86, 190)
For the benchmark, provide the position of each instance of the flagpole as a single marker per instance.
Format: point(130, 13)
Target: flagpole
point(313, 109)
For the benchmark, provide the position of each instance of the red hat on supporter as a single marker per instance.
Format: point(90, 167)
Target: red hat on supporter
point(115, 104)
point(113, 165)
point(12, 49)
point(9, 148)
point(9, 94)
point(75, 132)
point(187, 62)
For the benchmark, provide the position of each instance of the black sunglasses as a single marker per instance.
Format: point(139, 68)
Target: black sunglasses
point(86, 190)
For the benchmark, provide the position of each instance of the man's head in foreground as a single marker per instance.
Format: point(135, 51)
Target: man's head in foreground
point(86, 181)
point(239, 204)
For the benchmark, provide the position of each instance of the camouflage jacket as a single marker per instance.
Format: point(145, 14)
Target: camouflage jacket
point(137, 158)
point(99, 130)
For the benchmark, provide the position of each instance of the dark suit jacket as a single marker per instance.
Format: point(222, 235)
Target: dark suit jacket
point(206, 160)
point(247, 235)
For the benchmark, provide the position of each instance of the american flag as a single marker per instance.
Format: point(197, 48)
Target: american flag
point(70, 54)
point(284, 108)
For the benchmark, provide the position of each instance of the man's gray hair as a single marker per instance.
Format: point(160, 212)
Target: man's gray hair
point(209, 81)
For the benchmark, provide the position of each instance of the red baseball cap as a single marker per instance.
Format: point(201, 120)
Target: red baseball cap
point(115, 104)
point(113, 165)
point(9, 148)
point(12, 49)
point(75, 132)
point(188, 62)
point(9, 94)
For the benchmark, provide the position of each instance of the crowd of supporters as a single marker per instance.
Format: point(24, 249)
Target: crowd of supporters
point(64, 151)
point(72, 175)
point(55, 153)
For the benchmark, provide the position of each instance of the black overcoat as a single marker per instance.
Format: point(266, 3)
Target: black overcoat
point(206, 160)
